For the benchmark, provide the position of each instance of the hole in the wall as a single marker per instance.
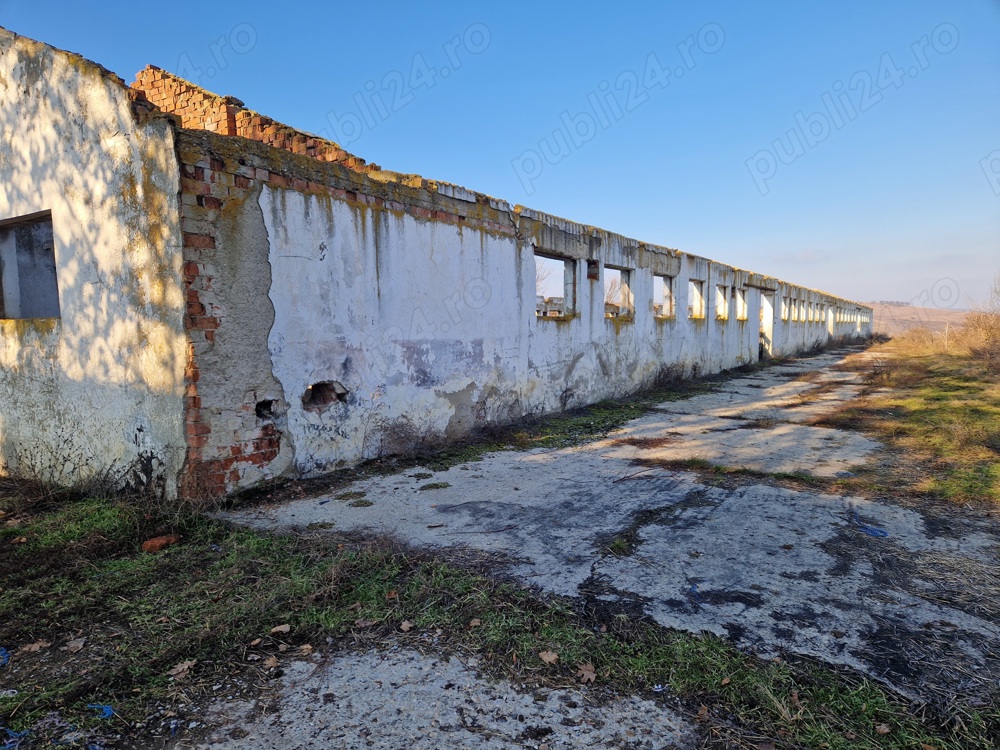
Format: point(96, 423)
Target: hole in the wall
point(663, 296)
point(618, 300)
point(696, 299)
point(721, 302)
point(319, 396)
point(267, 410)
point(555, 286)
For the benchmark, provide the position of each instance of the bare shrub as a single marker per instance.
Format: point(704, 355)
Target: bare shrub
point(881, 371)
point(66, 472)
point(666, 376)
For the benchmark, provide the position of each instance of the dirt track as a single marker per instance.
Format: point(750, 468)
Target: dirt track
point(886, 589)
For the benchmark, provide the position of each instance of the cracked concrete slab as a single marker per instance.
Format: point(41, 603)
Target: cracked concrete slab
point(871, 585)
point(402, 698)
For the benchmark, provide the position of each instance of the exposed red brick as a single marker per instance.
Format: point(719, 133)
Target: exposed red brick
point(207, 322)
point(209, 201)
point(202, 241)
point(158, 543)
point(195, 187)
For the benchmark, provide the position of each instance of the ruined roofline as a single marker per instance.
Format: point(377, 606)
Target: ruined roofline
point(196, 108)
point(199, 109)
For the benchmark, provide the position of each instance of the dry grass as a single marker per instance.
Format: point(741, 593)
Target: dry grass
point(978, 336)
point(935, 400)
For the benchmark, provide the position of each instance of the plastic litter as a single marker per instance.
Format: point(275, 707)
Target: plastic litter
point(658, 688)
point(4, 656)
point(14, 739)
point(874, 531)
point(693, 594)
point(104, 712)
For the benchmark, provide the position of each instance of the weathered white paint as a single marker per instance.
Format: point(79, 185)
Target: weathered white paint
point(431, 326)
point(399, 311)
point(102, 384)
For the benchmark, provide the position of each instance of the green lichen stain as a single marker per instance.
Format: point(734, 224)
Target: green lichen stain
point(620, 321)
point(27, 328)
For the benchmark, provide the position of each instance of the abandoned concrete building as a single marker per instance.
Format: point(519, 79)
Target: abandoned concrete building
point(214, 298)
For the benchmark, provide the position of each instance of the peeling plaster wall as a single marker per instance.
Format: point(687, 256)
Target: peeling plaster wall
point(430, 325)
point(379, 312)
point(418, 319)
point(102, 385)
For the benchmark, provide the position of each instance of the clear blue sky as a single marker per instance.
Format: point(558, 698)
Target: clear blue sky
point(849, 146)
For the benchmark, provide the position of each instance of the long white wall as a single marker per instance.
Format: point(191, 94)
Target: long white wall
point(430, 326)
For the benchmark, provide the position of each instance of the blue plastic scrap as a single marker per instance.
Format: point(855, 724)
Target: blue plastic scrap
point(693, 594)
point(4, 656)
point(14, 739)
point(874, 531)
point(104, 712)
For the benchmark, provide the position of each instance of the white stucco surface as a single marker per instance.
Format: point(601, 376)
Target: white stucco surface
point(430, 326)
point(102, 385)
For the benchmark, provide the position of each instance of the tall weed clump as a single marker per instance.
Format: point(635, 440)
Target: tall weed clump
point(981, 332)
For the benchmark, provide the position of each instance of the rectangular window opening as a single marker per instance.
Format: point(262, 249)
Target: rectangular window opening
point(696, 299)
point(784, 308)
point(618, 300)
point(663, 296)
point(28, 284)
point(741, 304)
point(721, 303)
point(555, 287)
